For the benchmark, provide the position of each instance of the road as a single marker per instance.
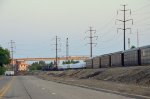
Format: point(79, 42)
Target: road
point(30, 87)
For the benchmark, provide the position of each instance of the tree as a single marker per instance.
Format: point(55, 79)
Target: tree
point(70, 62)
point(63, 62)
point(132, 47)
point(4, 59)
point(42, 63)
point(37, 65)
point(4, 56)
point(2, 70)
point(51, 64)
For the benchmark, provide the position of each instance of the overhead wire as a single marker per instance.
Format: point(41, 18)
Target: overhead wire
point(141, 8)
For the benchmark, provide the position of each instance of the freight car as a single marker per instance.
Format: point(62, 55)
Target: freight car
point(117, 59)
point(105, 60)
point(96, 62)
point(145, 55)
point(132, 57)
point(89, 63)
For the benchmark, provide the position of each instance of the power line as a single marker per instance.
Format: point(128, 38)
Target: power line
point(112, 38)
point(112, 45)
point(124, 21)
point(107, 33)
point(147, 5)
point(91, 31)
point(108, 23)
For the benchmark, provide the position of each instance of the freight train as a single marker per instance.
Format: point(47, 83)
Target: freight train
point(133, 57)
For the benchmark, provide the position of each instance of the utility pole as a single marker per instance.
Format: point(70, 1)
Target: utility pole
point(12, 52)
point(124, 23)
point(56, 52)
point(67, 49)
point(56, 44)
point(91, 31)
point(137, 38)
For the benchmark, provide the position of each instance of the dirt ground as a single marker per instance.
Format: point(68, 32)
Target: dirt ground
point(131, 80)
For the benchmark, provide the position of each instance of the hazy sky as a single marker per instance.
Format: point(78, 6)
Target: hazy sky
point(33, 25)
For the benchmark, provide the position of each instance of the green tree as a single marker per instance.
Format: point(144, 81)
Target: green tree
point(32, 67)
point(4, 56)
point(51, 64)
point(132, 47)
point(63, 62)
point(42, 63)
point(2, 70)
point(70, 62)
point(37, 65)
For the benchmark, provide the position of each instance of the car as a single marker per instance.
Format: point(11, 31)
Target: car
point(9, 73)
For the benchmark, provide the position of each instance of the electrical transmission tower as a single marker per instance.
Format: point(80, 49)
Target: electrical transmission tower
point(67, 49)
point(92, 32)
point(124, 22)
point(12, 45)
point(56, 49)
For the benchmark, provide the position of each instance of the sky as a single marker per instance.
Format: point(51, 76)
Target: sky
point(34, 24)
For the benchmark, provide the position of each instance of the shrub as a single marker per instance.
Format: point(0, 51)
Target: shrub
point(2, 70)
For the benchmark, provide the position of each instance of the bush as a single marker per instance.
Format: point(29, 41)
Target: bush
point(2, 70)
point(39, 67)
point(32, 68)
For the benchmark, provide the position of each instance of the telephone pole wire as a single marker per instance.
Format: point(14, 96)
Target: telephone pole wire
point(124, 22)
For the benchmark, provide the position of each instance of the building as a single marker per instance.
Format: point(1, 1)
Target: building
point(21, 65)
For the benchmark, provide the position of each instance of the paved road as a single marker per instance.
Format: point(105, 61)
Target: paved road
point(4, 80)
point(29, 87)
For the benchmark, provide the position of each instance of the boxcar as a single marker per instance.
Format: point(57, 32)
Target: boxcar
point(116, 59)
point(131, 57)
point(96, 62)
point(145, 55)
point(89, 63)
point(105, 61)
